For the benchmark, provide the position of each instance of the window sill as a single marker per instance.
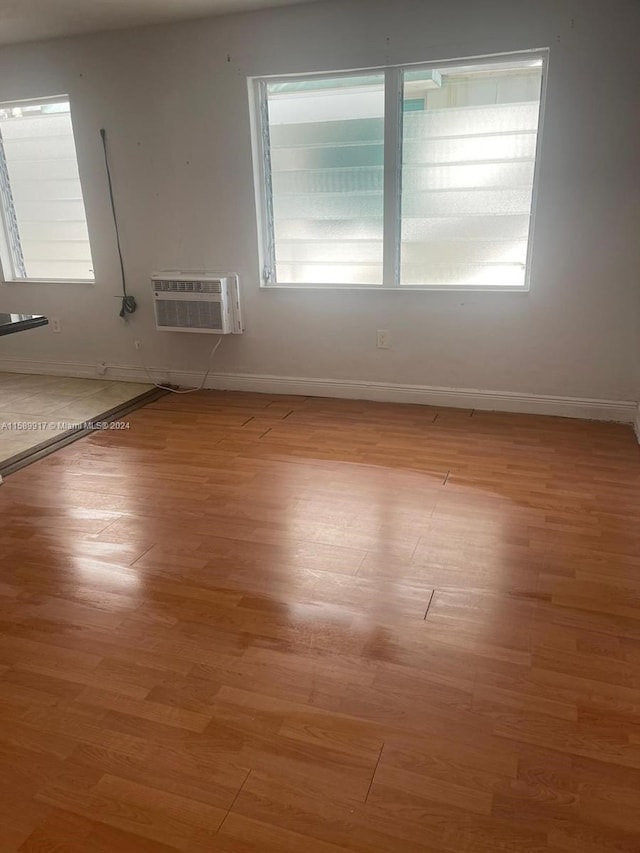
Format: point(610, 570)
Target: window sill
point(48, 281)
point(408, 288)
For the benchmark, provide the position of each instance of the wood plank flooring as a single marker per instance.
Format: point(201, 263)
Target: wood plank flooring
point(253, 624)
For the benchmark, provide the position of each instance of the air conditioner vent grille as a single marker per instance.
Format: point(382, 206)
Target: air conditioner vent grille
point(188, 315)
point(196, 301)
point(169, 286)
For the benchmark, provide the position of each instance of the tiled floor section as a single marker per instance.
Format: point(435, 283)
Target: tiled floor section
point(34, 409)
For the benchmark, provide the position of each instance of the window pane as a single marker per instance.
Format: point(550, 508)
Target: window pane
point(43, 198)
point(326, 145)
point(468, 156)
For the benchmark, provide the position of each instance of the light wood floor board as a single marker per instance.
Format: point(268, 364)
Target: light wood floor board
point(256, 624)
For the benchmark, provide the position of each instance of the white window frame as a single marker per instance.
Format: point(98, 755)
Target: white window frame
point(392, 173)
point(7, 264)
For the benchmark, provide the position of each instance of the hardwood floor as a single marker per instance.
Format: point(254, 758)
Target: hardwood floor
point(253, 624)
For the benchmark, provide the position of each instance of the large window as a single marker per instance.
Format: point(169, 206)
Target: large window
point(44, 228)
point(417, 177)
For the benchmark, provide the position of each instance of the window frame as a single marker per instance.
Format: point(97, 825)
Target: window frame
point(7, 262)
point(392, 219)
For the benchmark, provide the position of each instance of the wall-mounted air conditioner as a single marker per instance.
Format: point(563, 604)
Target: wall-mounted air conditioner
point(200, 302)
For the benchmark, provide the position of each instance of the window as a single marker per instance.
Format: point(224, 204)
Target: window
point(417, 177)
point(44, 228)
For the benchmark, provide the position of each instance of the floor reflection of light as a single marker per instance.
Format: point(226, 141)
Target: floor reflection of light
point(418, 536)
point(320, 611)
point(104, 508)
point(92, 571)
point(378, 511)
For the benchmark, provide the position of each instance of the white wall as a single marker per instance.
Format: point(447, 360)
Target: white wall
point(174, 102)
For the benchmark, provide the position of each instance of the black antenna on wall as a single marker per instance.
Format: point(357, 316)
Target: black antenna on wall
point(128, 302)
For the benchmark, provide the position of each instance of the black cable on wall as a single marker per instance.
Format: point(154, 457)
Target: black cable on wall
point(128, 302)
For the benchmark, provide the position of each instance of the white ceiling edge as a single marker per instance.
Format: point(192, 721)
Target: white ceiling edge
point(41, 20)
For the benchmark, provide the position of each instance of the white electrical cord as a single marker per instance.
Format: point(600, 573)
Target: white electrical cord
point(186, 390)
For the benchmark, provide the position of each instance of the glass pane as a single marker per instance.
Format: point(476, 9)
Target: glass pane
point(468, 157)
point(326, 145)
point(41, 193)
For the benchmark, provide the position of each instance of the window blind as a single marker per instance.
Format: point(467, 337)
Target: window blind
point(327, 179)
point(45, 191)
point(468, 162)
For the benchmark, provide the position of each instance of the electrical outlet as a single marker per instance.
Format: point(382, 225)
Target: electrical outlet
point(137, 344)
point(102, 368)
point(55, 325)
point(383, 339)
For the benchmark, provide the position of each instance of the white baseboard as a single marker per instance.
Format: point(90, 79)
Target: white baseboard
point(636, 423)
point(621, 411)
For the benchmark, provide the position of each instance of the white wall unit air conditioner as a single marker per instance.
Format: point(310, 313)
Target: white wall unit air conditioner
point(200, 302)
